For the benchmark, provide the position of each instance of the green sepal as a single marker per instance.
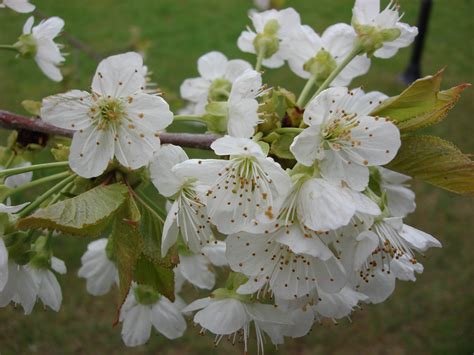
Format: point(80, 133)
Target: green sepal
point(32, 107)
point(146, 295)
point(60, 152)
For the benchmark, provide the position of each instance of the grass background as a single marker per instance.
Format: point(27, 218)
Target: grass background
point(432, 316)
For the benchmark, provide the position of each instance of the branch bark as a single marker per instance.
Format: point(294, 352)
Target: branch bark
point(10, 120)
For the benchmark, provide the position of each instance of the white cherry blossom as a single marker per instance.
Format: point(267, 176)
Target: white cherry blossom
point(157, 311)
point(367, 13)
point(228, 316)
point(118, 119)
point(275, 29)
point(99, 271)
point(46, 52)
point(312, 54)
point(21, 6)
point(270, 260)
point(344, 138)
point(217, 77)
point(243, 190)
point(187, 215)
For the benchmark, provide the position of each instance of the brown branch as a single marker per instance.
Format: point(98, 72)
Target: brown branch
point(10, 120)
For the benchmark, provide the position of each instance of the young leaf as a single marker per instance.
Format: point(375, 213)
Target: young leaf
point(420, 105)
point(85, 215)
point(153, 274)
point(151, 229)
point(127, 244)
point(435, 161)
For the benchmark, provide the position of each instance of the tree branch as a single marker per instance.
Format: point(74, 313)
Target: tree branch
point(10, 120)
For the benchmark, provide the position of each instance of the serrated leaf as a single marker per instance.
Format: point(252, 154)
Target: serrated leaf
point(127, 244)
point(281, 146)
point(87, 214)
point(435, 161)
point(155, 275)
point(420, 105)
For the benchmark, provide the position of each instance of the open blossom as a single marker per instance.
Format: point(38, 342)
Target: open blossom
point(289, 262)
point(22, 6)
point(229, 316)
point(382, 30)
point(99, 271)
point(378, 252)
point(272, 34)
point(344, 138)
point(118, 119)
point(39, 41)
point(217, 77)
point(187, 215)
point(23, 284)
point(319, 56)
point(145, 308)
point(243, 190)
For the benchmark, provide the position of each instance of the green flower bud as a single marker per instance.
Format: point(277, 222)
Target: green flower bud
point(321, 65)
point(26, 46)
point(216, 117)
point(146, 295)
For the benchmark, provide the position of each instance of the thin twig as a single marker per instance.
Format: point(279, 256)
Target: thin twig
point(10, 120)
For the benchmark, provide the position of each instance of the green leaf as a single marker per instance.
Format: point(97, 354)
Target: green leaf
point(154, 275)
point(151, 229)
point(422, 104)
point(127, 244)
point(281, 146)
point(85, 215)
point(435, 161)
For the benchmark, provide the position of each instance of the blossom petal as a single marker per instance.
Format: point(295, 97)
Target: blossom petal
point(306, 146)
point(212, 65)
point(136, 328)
point(222, 317)
point(165, 180)
point(167, 319)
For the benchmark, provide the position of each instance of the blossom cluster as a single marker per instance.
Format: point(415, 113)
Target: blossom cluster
point(303, 241)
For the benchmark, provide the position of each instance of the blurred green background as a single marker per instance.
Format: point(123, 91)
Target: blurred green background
point(432, 316)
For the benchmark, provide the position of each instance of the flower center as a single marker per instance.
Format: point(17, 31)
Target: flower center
point(108, 111)
point(338, 131)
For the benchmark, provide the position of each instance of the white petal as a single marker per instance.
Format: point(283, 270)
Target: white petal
point(204, 170)
point(119, 75)
point(28, 25)
point(323, 206)
point(12, 209)
point(319, 108)
point(50, 291)
point(245, 42)
point(306, 146)
point(21, 6)
point(215, 251)
point(222, 317)
point(167, 182)
point(136, 328)
point(150, 112)
point(235, 68)
point(195, 269)
point(195, 89)
point(58, 265)
point(242, 118)
point(49, 69)
point(167, 319)
point(198, 304)
point(170, 230)
point(70, 110)
point(212, 65)
point(379, 287)
point(49, 28)
point(228, 145)
point(3, 264)
point(419, 239)
point(87, 158)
